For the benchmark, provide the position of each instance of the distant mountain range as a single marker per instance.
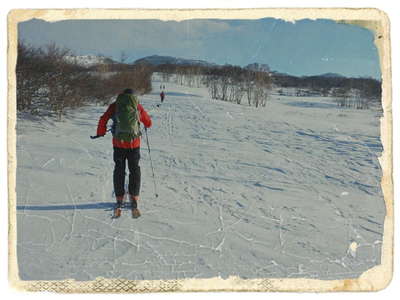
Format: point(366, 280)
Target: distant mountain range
point(160, 60)
point(332, 75)
point(155, 60)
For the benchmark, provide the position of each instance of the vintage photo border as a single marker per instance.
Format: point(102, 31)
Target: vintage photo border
point(373, 279)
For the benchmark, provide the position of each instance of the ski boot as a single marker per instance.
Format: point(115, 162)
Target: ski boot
point(118, 207)
point(135, 210)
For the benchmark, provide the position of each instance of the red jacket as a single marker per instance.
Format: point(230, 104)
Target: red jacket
point(102, 127)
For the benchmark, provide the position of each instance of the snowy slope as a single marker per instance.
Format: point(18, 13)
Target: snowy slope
point(87, 60)
point(160, 60)
point(292, 190)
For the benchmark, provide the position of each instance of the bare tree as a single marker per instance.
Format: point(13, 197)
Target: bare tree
point(249, 86)
point(262, 82)
point(213, 86)
point(370, 93)
point(28, 81)
point(49, 82)
point(342, 96)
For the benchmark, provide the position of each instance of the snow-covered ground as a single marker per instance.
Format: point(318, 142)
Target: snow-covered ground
point(291, 190)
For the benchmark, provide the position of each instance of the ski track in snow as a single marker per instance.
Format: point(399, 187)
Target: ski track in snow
point(286, 191)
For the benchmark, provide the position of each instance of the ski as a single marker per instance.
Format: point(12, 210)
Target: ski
point(135, 213)
point(118, 210)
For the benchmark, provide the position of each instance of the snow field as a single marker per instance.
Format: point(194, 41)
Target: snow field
point(291, 190)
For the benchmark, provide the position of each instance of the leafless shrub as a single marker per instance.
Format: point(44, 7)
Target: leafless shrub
point(47, 81)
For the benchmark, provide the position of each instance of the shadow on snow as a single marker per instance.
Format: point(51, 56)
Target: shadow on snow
point(306, 104)
point(102, 205)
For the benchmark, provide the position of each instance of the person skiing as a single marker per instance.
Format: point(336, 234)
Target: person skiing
point(162, 96)
point(127, 114)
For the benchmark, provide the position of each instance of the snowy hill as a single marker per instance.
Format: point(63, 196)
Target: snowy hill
point(292, 190)
point(88, 60)
point(331, 75)
point(159, 60)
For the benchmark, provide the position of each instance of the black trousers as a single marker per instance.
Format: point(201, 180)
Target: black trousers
point(121, 156)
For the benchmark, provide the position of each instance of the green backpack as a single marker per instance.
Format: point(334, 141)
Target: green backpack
point(127, 125)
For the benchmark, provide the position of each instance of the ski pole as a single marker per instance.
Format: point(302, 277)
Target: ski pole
point(151, 163)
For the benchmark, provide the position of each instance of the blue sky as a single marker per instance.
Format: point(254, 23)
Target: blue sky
point(306, 47)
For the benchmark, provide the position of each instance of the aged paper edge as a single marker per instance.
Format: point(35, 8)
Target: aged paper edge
point(374, 279)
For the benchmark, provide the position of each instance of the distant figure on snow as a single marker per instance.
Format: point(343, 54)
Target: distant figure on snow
point(126, 113)
point(162, 96)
